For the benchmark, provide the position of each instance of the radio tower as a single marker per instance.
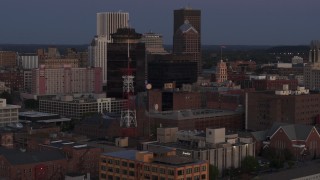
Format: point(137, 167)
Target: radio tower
point(128, 121)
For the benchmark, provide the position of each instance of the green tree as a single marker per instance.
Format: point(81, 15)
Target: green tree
point(7, 96)
point(249, 164)
point(213, 172)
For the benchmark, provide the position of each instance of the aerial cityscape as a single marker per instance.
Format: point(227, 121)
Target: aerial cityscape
point(153, 90)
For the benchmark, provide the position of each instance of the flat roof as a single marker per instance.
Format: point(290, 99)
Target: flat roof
point(193, 114)
point(61, 143)
point(10, 106)
point(35, 114)
point(127, 154)
point(55, 120)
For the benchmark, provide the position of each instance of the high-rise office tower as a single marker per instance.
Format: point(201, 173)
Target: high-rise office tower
point(109, 22)
point(314, 54)
point(153, 43)
point(187, 34)
point(97, 53)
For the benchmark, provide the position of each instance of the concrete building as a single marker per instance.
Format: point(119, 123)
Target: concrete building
point(97, 53)
point(162, 164)
point(314, 54)
point(27, 80)
point(28, 61)
point(302, 140)
point(77, 106)
point(66, 80)
point(9, 113)
point(4, 88)
point(153, 43)
point(295, 107)
point(297, 60)
point(311, 73)
point(221, 149)
point(109, 22)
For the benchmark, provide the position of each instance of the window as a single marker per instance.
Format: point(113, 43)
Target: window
point(154, 169)
point(125, 172)
point(162, 171)
point(110, 161)
point(146, 168)
point(103, 168)
point(171, 172)
point(203, 176)
point(117, 162)
point(131, 165)
point(110, 169)
point(189, 171)
point(204, 168)
point(180, 172)
point(124, 163)
point(131, 173)
point(196, 169)
point(103, 176)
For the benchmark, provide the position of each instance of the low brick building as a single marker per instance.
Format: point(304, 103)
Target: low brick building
point(81, 158)
point(198, 119)
point(302, 140)
point(17, 164)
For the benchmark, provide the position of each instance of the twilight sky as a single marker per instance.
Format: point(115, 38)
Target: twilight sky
point(228, 22)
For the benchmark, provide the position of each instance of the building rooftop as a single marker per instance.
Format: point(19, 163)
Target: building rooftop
point(17, 157)
point(293, 131)
point(59, 144)
point(192, 114)
point(127, 154)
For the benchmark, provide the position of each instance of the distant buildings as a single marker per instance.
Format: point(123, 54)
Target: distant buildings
point(187, 34)
point(97, 55)
point(314, 54)
point(12, 79)
point(8, 59)
point(9, 113)
point(109, 22)
point(221, 72)
point(311, 74)
point(66, 80)
point(153, 43)
point(161, 164)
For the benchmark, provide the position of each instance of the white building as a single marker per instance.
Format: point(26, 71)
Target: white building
point(109, 22)
point(29, 61)
point(297, 60)
point(8, 113)
point(98, 55)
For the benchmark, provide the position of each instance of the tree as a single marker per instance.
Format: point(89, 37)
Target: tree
point(249, 164)
point(7, 96)
point(213, 172)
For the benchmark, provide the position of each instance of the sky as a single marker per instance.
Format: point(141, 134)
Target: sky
point(224, 22)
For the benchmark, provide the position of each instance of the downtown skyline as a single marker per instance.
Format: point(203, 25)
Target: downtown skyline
point(249, 22)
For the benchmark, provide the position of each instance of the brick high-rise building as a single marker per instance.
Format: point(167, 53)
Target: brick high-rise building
point(66, 80)
point(286, 106)
point(187, 34)
point(221, 72)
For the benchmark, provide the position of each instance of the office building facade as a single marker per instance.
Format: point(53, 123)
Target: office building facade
point(8, 113)
point(187, 34)
point(109, 22)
